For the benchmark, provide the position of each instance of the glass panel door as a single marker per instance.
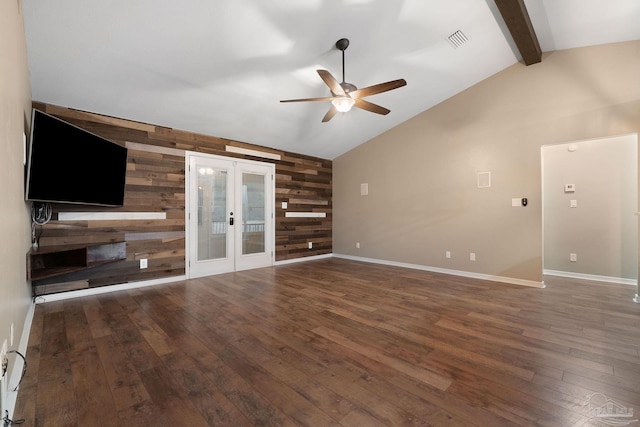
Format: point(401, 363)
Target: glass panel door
point(212, 213)
point(211, 204)
point(230, 215)
point(253, 211)
point(255, 207)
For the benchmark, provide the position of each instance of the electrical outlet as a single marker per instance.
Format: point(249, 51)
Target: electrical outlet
point(573, 257)
point(357, 245)
point(472, 256)
point(310, 245)
point(447, 254)
point(143, 263)
point(11, 335)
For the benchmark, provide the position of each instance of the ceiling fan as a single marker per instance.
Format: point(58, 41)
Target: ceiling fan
point(346, 95)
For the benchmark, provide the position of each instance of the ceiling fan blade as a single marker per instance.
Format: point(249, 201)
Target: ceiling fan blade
point(307, 99)
point(370, 106)
point(379, 88)
point(331, 81)
point(332, 112)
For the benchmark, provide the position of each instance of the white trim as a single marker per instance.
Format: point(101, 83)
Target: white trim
point(110, 216)
point(144, 283)
point(481, 276)
point(255, 153)
point(303, 259)
point(106, 289)
point(305, 214)
point(595, 278)
point(12, 396)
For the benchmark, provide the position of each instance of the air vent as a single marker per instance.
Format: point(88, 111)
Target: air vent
point(457, 39)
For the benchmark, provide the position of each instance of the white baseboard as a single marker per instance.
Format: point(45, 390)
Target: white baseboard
point(18, 363)
point(481, 276)
point(133, 285)
point(105, 289)
point(307, 258)
point(596, 278)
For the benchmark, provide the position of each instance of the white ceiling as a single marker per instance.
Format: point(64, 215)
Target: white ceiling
point(220, 67)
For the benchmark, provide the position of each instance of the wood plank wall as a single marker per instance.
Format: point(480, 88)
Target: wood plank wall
point(155, 182)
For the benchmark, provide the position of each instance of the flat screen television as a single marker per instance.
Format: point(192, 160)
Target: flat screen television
point(68, 164)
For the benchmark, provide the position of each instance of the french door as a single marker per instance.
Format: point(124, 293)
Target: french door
point(230, 206)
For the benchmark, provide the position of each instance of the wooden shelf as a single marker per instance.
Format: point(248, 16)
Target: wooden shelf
point(58, 260)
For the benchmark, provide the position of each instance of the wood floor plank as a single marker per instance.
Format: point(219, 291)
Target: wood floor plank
point(193, 365)
point(124, 381)
point(333, 342)
point(94, 403)
point(336, 378)
point(209, 401)
point(29, 384)
point(327, 400)
point(431, 378)
point(169, 398)
point(208, 352)
point(56, 400)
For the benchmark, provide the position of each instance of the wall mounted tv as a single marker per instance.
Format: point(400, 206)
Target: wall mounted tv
point(67, 164)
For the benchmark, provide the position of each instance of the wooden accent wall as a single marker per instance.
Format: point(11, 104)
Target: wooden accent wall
point(155, 182)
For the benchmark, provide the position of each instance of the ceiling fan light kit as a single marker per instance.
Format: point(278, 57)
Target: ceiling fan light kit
point(343, 103)
point(346, 95)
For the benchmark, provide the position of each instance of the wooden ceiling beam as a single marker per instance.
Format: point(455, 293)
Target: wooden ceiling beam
point(515, 15)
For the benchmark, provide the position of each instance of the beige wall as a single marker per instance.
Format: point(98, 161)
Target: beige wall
point(423, 199)
point(15, 107)
point(602, 230)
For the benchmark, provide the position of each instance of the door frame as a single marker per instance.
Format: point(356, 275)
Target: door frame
point(573, 146)
point(270, 207)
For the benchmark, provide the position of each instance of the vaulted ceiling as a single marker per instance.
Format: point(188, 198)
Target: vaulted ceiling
point(220, 67)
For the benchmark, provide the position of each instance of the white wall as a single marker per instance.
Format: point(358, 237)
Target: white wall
point(602, 230)
point(15, 107)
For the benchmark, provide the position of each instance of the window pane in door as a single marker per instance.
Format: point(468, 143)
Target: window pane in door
point(212, 213)
point(253, 213)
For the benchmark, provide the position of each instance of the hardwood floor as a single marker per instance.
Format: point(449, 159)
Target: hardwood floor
point(334, 342)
